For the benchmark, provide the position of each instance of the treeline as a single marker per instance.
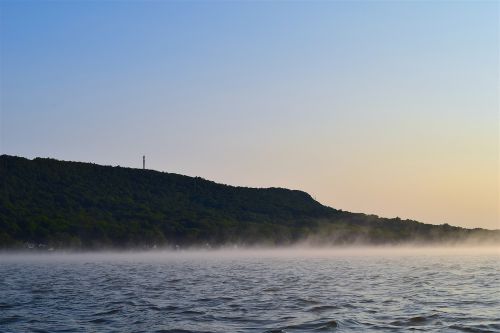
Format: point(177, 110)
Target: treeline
point(55, 204)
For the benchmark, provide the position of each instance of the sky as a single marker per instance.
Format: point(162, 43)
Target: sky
point(387, 108)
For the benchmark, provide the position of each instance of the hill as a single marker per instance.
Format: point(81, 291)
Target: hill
point(57, 204)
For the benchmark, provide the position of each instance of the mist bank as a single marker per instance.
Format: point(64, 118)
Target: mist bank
point(235, 253)
point(47, 204)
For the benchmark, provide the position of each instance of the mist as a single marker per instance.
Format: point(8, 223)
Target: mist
point(234, 253)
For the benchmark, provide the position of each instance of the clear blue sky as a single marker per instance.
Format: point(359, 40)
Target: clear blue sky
point(388, 108)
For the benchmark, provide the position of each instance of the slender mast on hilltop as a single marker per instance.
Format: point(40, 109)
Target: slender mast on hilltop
point(144, 162)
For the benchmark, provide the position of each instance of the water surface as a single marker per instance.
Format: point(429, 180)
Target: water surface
point(252, 291)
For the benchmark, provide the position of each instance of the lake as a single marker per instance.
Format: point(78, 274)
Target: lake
point(232, 290)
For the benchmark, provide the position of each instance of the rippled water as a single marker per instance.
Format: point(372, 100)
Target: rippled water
point(291, 291)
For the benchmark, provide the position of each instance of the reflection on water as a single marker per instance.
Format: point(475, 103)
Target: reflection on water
point(288, 290)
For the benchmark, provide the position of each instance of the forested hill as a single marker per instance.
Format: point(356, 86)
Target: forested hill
point(46, 203)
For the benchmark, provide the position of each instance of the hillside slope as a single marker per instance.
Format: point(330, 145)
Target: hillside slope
point(82, 205)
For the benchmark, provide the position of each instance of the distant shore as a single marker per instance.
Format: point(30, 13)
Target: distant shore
point(48, 205)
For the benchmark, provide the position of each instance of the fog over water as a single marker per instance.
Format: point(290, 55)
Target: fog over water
point(235, 252)
point(295, 289)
